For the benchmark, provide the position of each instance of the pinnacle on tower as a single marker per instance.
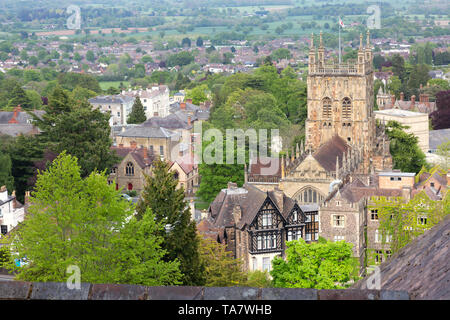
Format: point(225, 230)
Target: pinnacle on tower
point(311, 46)
point(321, 40)
point(360, 41)
point(337, 167)
point(368, 38)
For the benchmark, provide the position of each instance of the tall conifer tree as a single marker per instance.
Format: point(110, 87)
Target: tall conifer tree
point(180, 235)
point(137, 114)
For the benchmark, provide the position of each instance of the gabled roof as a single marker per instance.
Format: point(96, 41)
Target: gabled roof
point(327, 153)
point(265, 165)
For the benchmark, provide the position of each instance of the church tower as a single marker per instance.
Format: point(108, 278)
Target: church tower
point(340, 100)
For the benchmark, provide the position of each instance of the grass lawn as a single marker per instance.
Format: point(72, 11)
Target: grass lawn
point(201, 205)
point(105, 85)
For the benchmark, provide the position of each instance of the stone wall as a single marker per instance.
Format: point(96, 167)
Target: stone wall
point(16, 290)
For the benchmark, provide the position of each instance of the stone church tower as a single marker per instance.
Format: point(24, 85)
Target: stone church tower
point(342, 138)
point(340, 100)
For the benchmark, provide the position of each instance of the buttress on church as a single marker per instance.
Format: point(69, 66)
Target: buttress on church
point(323, 187)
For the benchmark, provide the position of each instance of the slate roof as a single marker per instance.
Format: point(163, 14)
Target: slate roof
point(137, 154)
point(327, 153)
point(437, 137)
point(172, 121)
point(257, 165)
point(111, 99)
point(22, 116)
point(147, 132)
point(250, 199)
point(197, 112)
point(422, 267)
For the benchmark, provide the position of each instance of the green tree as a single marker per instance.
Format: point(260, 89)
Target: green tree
point(79, 129)
point(322, 265)
point(199, 42)
point(77, 57)
point(258, 279)
point(137, 114)
point(281, 53)
point(221, 268)
point(6, 177)
point(147, 59)
point(90, 56)
point(404, 148)
point(395, 86)
point(83, 222)
point(24, 152)
point(198, 94)
point(161, 195)
point(443, 150)
point(19, 97)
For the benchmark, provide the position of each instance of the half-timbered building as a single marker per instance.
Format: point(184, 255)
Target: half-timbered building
point(255, 225)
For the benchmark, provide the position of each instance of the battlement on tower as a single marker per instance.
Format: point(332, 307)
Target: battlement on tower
point(362, 66)
point(331, 68)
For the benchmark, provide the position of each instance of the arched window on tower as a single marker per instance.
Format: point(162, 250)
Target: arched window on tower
point(129, 169)
point(326, 108)
point(309, 196)
point(346, 108)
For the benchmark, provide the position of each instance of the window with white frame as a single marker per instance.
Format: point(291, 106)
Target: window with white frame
point(339, 238)
point(294, 235)
point(373, 214)
point(267, 219)
point(422, 220)
point(266, 264)
point(377, 236)
point(308, 236)
point(338, 220)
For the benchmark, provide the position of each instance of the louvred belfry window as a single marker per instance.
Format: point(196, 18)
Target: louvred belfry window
point(346, 108)
point(326, 108)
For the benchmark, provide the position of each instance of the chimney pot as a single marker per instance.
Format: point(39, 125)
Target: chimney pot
point(183, 105)
point(402, 96)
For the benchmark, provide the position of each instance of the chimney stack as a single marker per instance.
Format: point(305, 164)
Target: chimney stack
point(183, 105)
point(232, 185)
point(145, 153)
point(413, 102)
point(393, 99)
point(13, 194)
point(189, 101)
point(3, 194)
point(402, 96)
point(27, 197)
point(189, 120)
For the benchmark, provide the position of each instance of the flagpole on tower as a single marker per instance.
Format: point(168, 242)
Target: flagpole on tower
point(340, 40)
